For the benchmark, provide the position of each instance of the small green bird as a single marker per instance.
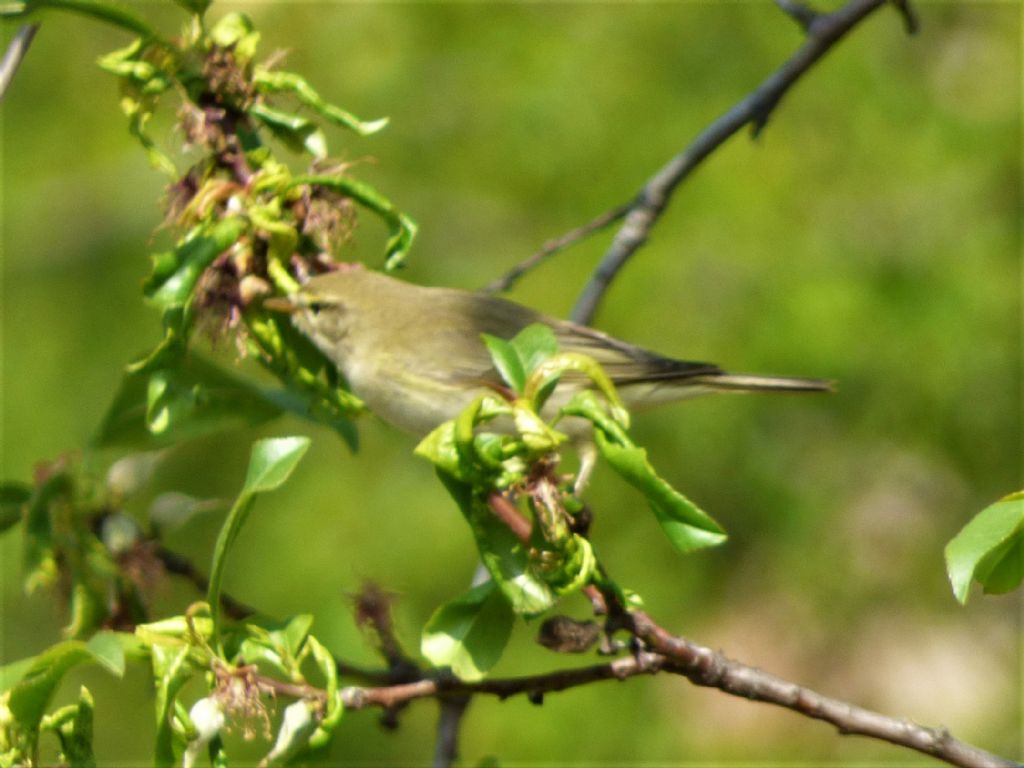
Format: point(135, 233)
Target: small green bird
point(416, 358)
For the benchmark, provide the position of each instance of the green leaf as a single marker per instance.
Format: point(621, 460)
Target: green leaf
point(171, 670)
point(236, 31)
point(175, 274)
point(13, 498)
point(270, 464)
point(535, 344)
point(107, 649)
point(191, 399)
point(105, 12)
point(276, 81)
point(507, 361)
point(272, 461)
point(76, 733)
point(469, 633)
point(506, 558)
point(38, 563)
point(294, 131)
point(687, 526)
point(403, 229)
point(335, 705)
point(989, 549)
point(31, 695)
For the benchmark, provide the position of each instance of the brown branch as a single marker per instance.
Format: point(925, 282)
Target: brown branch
point(449, 722)
point(551, 247)
point(704, 667)
point(824, 30)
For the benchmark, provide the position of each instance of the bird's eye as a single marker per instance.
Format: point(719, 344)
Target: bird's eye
point(315, 307)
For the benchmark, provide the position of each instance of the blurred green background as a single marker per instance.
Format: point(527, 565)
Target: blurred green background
point(872, 235)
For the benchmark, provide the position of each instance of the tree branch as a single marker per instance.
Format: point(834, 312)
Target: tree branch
point(551, 247)
point(824, 30)
point(701, 666)
point(15, 54)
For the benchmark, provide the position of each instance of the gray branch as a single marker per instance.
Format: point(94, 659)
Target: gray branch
point(824, 30)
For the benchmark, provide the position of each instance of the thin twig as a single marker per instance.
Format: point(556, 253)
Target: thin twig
point(15, 53)
point(823, 32)
point(551, 247)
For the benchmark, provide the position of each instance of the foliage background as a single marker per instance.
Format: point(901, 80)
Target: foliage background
point(872, 235)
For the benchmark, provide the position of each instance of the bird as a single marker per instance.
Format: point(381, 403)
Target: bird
point(415, 354)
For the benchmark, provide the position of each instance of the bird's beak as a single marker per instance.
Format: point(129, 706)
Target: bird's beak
point(280, 304)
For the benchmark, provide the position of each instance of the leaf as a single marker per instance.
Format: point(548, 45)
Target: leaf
point(469, 633)
point(989, 549)
point(76, 733)
point(403, 229)
point(236, 32)
point(276, 81)
point(191, 399)
point(506, 361)
point(270, 464)
point(534, 344)
point(172, 671)
point(31, 695)
point(506, 558)
point(175, 274)
point(335, 705)
point(105, 12)
point(296, 132)
point(13, 498)
point(687, 526)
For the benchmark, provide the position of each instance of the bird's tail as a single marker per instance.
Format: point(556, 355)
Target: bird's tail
point(744, 382)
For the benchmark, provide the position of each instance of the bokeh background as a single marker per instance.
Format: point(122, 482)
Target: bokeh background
point(871, 235)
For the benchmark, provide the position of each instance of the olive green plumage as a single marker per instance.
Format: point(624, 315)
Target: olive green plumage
point(415, 355)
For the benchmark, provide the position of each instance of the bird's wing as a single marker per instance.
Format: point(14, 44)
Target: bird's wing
point(625, 363)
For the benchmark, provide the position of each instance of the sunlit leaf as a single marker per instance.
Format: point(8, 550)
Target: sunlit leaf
point(507, 361)
point(175, 274)
point(192, 399)
point(469, 633)
point(989, 549)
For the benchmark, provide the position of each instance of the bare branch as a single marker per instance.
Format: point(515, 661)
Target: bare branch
point(823, 32)
point(704, 667)
point(14, 55)
point(802, 14)
point(551, 247)
point(453, 710)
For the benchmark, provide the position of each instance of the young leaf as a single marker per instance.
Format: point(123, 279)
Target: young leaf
point(687, 526)
point(506, 361)
point(989, 549)
point(535, 344)
point(276, 81)
point(33, 692)
point(270, 464)
point(191, 399)
point(171, 671)
point(506, 558)
point(469, 633)
point(175, 274)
